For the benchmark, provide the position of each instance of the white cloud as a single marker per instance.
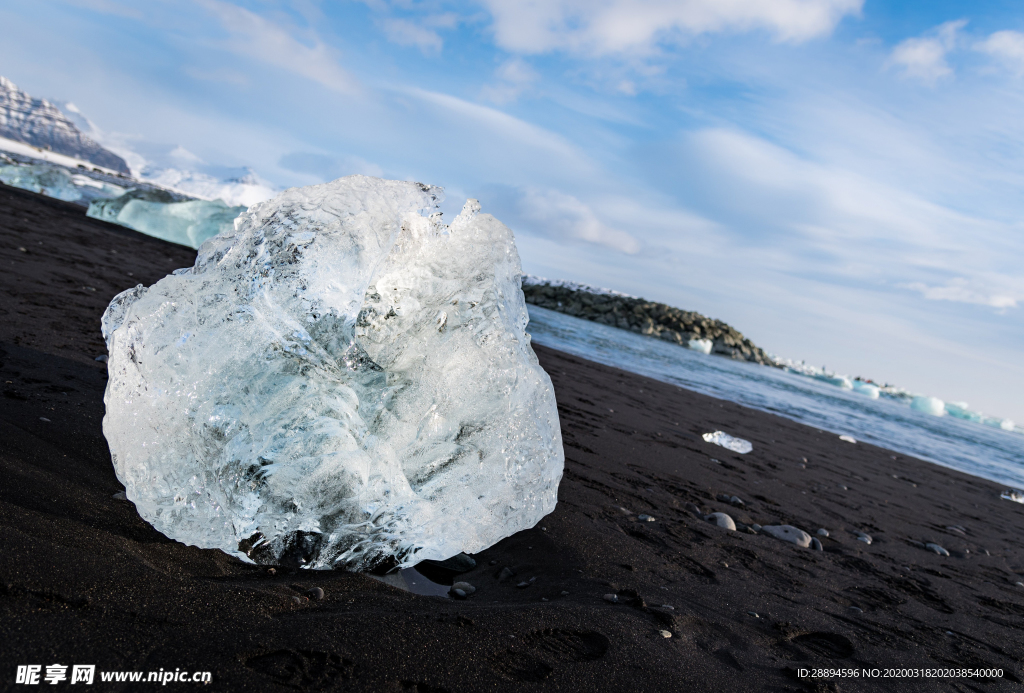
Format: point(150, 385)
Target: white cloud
point(637, 26)
point(255, 37)
point(559, 214)
point(1006, 46)
point(961, 291)
point(924, 58)
point(514, 76)
point(406, 33)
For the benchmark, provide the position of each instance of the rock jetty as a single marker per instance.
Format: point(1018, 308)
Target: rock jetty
point(642, 316)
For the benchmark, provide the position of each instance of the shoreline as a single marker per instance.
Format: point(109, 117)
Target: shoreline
point(83, 580)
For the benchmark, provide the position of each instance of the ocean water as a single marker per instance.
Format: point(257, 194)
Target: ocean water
point(967, 446)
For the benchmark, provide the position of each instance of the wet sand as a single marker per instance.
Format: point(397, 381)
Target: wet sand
point(83, 580)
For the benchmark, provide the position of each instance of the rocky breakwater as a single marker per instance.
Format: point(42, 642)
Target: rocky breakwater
point(642, 316)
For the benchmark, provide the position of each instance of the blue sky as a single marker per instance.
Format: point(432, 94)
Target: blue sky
point(839, 179)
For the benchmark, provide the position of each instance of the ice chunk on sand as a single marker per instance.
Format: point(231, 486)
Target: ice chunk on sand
point(701, 345)
point(339, 380)
point(866, 389)
point(155, 213)
point(727, 441)
point(1012, 495)
point(929, 405)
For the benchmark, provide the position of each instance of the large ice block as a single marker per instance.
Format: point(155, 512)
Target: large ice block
point(339, 380)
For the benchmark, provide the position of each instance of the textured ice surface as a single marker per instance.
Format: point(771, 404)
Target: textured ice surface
point(156, 213)
point(338, 380)
point(727, 441)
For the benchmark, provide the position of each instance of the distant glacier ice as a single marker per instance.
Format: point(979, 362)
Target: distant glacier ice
point(157, 213)
point(57, 182)
point(340, 380)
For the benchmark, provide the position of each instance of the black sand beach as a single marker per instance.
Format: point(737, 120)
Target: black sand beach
point(83, 580)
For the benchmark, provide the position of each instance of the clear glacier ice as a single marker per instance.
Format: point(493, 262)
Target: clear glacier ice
point(340, 380)
point(160, 214)
point(728, 442)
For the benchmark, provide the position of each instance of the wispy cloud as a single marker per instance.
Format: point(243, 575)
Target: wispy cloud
point(558, 214)
point(599, 27)
point(512, 78)
point(408, 33)
point(257, 38)
point(960, 290)
point(1007, 47)
point(924, 58)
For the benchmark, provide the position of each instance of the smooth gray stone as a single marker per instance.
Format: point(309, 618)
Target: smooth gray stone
point(459, 563)
point(457, 594)
point(789, 533)
point(465, 587)
point(816, 545)
point(722, 520)
point(822, 532)
point(935, 548)
point(866, 538)
point(506, 574)
point(645, 518)
point(316, 593)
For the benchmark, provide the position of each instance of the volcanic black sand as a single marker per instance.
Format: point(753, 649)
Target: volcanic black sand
point(83, 580)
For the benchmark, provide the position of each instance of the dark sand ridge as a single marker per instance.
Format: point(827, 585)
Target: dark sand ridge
point(83, 580)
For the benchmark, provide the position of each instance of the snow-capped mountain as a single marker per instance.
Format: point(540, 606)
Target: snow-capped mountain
point(42, 124)
point(60, 128)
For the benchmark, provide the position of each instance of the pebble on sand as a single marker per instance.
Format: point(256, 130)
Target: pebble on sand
point(823, 532)
point(789, 533)
point(613, 598)
point(816, 545)
point(465, 587)
point(848, 439)
point(43, 418)
point(523, 584)
point(645, 518)
point(722, 520)
point(119, 496)
point(505, 574)
point(457, 594)
point(866, 538)
point(665, 633)
point(935, 548)
point(317, 593)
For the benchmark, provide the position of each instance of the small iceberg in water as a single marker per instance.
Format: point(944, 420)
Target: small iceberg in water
point(701, 345)
point(866, 389)
point(929, 405)
point(729, 442)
